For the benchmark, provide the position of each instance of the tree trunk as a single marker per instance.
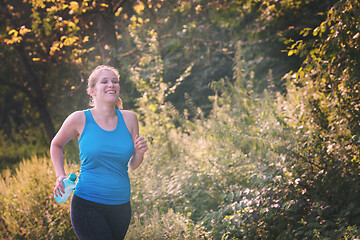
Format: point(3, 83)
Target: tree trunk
point(37, 95)
point(106, 34)
point(47, 121)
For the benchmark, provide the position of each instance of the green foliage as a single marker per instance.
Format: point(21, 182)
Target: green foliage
point(27, 207)
point(19, 146)
point(327, 87)
point(189, 34)
point(212, 170)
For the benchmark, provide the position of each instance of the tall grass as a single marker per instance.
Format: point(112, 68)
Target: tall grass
point(27, 207)
point(20, 145)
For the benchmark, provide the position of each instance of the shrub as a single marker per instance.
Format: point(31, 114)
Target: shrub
point(27, 207)
point(20, 145)
point(170, 225)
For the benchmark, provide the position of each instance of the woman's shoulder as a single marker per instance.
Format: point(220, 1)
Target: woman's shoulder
point(78, 114)
point(128, 114)
point(130, 121)
point(76, 117)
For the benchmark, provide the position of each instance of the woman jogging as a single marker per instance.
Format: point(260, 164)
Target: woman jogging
point(109, 143)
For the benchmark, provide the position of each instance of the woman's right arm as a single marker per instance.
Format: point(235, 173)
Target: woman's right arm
point(70, 129)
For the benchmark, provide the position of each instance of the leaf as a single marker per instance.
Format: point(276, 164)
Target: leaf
point(316, 31)
point(139, 7)
point(74, 7)
point(14, 32)
point(70, 40)
point(24, 30)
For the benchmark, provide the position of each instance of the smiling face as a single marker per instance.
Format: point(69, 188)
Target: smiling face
point(106, 88)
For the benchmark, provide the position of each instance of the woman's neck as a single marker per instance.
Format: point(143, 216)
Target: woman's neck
point(104, 111)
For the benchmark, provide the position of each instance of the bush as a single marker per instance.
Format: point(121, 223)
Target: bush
point(27, 207)
point(22, 144)
point(170, 225)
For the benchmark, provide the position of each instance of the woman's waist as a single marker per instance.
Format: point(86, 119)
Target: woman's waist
point(96, 179)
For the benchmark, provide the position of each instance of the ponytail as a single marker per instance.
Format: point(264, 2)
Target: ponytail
point(119, 103)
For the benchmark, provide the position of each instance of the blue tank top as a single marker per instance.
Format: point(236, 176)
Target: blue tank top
point(104, 159)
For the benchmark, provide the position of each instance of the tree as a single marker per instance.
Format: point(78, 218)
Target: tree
point(37, 39)
point(48, 44)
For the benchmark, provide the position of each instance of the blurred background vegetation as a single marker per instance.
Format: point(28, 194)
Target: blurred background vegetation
point(251, 108)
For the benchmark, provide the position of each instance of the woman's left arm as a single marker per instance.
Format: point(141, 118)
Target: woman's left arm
point(140, 144)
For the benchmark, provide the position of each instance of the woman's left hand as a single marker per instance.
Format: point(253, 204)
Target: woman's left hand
point(140, 144)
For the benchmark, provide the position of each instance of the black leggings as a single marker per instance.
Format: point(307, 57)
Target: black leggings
point(97, 221)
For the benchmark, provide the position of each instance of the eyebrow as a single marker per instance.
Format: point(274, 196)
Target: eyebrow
point(105, 78)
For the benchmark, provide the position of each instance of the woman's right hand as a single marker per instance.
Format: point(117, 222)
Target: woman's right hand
point(59, 186)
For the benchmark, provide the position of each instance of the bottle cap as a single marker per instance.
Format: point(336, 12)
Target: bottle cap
point(72, 177)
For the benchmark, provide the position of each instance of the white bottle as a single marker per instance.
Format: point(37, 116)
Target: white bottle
point(69, 184)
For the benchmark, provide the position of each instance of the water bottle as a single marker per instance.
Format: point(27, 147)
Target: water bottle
point(69, 184)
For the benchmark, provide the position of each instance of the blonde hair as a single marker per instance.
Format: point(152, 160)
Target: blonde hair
point(93, 78)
